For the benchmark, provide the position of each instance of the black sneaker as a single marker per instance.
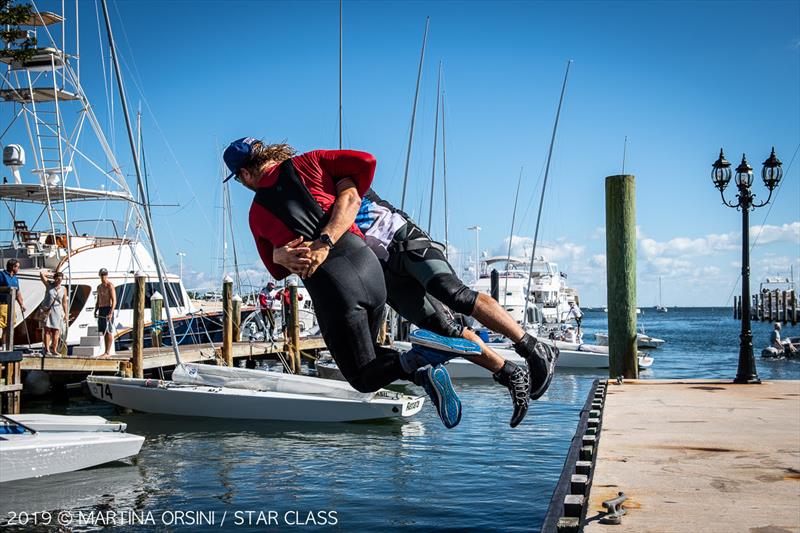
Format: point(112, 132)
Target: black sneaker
point(541, 359)
point(519, 385)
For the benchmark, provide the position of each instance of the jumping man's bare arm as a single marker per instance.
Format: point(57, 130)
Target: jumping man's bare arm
point(343, 214)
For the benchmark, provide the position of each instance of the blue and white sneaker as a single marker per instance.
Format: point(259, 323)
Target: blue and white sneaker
point(436, 382)
point(421, 356)
point(457, 345)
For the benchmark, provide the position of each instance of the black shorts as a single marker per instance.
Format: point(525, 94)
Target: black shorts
point(104, 325)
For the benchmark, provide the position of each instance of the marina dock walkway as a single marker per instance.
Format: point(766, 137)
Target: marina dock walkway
point(699, 455)
point(160, 357)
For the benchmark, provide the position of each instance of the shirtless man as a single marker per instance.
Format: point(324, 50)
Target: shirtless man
point(104, 310)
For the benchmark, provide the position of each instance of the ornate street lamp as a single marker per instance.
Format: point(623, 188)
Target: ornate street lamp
point(771, 173)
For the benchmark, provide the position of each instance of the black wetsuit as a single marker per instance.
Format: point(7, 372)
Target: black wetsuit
point(347, 288)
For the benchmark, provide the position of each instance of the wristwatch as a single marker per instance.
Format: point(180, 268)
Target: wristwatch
point(326, 239)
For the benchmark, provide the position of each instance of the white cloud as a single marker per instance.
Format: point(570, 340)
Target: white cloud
point(560, 250)
point(713, 243)
point(598, 261)
point(767, 234)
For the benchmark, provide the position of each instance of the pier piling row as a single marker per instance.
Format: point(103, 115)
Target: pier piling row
point(770, 306)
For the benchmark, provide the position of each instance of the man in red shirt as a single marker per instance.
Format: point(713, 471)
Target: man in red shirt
point(313, 198)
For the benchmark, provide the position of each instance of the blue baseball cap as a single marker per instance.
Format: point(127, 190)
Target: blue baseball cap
point(236, 154)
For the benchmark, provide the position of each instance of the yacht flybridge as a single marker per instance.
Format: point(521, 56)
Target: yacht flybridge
point(549, 291)
point(71, 209)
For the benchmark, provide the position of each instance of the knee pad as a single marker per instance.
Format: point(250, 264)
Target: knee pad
point(452, 292)
point(441, 324)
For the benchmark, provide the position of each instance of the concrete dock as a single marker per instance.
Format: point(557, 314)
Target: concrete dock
point(699, 455)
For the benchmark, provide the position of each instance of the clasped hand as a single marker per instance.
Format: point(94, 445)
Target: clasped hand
point(301, 257)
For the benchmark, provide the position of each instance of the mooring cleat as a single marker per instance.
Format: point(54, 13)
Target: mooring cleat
point(436, 382)
point(541, 359)
point(517, 380)
point(458, 345)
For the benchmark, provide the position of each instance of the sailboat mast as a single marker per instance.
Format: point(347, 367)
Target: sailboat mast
point(140, 183)
point(541, 199)
point(435, 142)
point(237, 275)
point(414, 113)
point(511, 234)
point(444, 185)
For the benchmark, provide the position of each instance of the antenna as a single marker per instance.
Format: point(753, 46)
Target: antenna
point(624, 154)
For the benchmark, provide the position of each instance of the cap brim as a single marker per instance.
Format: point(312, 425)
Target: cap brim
point(232, 174)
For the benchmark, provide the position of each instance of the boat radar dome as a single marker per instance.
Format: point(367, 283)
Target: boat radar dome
point(14, 158)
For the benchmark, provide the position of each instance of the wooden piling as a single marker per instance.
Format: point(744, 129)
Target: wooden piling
point(621, 275)
point(769, 306)
point(138, 326)
point(156, 307)
point(227, 320)
point(794, 307)
point(784, 316)
point(294, 329)
point(11, 384)
point(735, 307)
point(237, 318)
point(754, 305)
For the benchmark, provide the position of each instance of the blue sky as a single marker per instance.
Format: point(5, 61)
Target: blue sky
point(679, 79)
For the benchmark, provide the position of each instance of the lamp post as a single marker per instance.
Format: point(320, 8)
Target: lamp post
point(477, 230)
point(771, 173)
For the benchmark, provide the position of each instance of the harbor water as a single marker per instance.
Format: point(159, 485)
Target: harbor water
point(415, 475)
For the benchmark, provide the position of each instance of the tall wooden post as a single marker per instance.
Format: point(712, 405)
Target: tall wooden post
point(9, 297)
point(294, 329)
point(227, 320)
point(156, 306)
point(138, 326)
point(237, 318)
point(770, 316)
point(793, 299)
point(784, 316)
point(621, 275)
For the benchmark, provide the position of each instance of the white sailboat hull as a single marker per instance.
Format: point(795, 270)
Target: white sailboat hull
point(170, 398)
point(642, 341)
point(42, 454)
point(61, 423)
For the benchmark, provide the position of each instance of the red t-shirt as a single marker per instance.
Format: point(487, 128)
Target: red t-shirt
point(319, 171)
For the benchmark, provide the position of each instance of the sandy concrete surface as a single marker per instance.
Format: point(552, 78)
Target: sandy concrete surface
point(700, 455)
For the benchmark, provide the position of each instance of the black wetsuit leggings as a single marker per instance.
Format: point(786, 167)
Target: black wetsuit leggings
point(349, 297)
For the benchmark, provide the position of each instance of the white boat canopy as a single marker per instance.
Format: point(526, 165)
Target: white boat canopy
point(36, 193)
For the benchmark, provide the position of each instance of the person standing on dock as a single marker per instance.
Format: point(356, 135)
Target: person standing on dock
point(576, 314)
point(266, 298)
point(104, 311)
point(419, 279)
point(312, 199)
point(8, 278)
point(54, 307)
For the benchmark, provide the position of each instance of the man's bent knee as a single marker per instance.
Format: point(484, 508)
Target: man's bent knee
point(359, 385)
point(452, 292)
